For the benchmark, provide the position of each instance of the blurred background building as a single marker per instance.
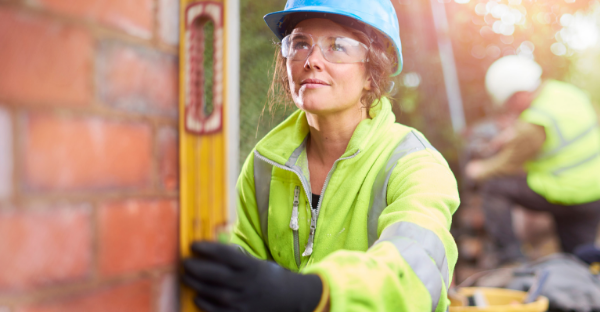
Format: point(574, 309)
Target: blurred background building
point(89, 196)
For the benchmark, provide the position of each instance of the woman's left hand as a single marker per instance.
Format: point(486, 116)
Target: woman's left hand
point(225, 279)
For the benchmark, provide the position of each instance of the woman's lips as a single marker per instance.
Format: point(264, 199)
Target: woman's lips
point(313, 83)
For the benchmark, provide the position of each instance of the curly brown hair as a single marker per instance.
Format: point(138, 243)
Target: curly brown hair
point(380, 67)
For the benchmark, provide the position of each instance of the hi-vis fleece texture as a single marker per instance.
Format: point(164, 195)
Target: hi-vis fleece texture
point(380, 235)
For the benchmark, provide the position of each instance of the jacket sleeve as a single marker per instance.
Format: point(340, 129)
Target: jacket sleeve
point(247, 231)
point(410, 266)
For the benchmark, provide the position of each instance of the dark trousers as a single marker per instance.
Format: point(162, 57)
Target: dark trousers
point(576, 225)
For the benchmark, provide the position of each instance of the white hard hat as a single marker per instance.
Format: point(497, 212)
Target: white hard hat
point(511, 74)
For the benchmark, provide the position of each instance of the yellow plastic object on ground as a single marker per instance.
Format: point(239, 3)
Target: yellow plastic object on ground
point(499, 300)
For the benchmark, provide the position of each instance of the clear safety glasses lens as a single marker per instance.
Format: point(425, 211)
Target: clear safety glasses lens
point(298, 46)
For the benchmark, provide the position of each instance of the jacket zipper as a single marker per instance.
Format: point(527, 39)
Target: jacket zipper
point(305, 185)
point(315, 214)
point(294, 225)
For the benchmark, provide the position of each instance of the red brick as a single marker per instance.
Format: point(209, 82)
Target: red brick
point(137, 79)
point(6, 154)
point(168, 296)
point(168, 161)
point(135, 17)
point(44, 247)
point(168, 21)
point(43, 61)
point(67, 154)
point(137, 235)
point(134, 297)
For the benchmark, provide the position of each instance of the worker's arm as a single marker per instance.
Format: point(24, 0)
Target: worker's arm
point(409, 268)
point(247, 231)
point(522, 142)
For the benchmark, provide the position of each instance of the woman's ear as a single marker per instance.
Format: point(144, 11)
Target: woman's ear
point(368, 85)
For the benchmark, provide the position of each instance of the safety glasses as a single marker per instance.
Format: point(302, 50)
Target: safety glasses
point(298, 46)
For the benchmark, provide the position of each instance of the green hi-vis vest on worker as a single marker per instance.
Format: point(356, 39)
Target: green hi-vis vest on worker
point(380, 234)
point(567, 171)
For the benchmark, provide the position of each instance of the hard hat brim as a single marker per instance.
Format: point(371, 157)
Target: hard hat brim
point(281, 24)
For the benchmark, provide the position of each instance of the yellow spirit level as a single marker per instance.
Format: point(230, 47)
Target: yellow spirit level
point(208, 121)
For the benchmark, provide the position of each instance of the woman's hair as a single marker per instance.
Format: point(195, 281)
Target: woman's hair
point(379, 69)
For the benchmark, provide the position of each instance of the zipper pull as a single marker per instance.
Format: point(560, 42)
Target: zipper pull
point(294, 220)
point(309, 246)
point(311, 238)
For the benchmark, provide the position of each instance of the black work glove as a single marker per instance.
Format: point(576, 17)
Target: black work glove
point(225, 279)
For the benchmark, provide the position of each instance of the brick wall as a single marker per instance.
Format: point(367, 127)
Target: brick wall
point(88, 155)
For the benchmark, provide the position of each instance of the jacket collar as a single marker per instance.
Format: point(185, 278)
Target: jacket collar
point(279, 144)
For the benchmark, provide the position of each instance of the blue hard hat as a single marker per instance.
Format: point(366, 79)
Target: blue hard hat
point(379, 14)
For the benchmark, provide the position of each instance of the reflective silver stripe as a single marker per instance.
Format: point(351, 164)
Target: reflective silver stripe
point(290, 165)
point(577, 164)
point(294, 157)
point(565, 144)
point(262, 187)
point(563, 141)
point(410, 144)
point(265, 181)
point(421, 264)
point(415, 244)
point(427, 239)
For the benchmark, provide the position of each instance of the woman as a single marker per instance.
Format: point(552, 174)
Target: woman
point(359, 205)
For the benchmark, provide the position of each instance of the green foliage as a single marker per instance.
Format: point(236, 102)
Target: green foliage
point(209, 29)
point(256, 61)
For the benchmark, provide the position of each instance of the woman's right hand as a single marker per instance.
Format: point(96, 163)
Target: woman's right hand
point(227, 280)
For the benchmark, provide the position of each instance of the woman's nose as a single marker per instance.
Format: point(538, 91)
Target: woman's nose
point(315, 58)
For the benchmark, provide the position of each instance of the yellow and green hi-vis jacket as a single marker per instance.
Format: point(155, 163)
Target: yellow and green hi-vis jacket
point(567, 171)
point(380, 234)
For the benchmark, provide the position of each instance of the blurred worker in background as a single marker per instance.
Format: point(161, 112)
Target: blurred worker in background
point(547, 158)
point(350, 210)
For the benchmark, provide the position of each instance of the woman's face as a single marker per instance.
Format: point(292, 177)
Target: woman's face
point(321, 87)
